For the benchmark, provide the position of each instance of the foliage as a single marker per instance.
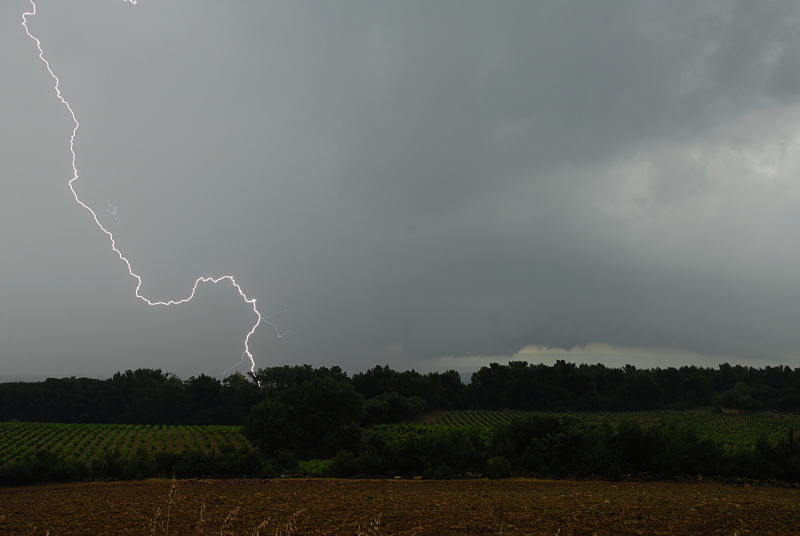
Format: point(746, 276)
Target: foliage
point(41, 466)
point(569, 387)
point(498, 467)
point(731, 430)
point(439, 390)
point(387, 408)
point(518, 418)
point(150, 396)
point(314, 419)
point(531, 444)
point(46, 466)
point(142, 396)
point(315, 468)
point(432, 452)
point(562, 446)
point(739, 398)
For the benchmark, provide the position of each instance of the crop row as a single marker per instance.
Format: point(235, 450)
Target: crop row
point(742, 430)
point(85, 442)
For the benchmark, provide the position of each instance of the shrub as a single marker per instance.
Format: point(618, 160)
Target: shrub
point(498, 467)
point(315, 467)
point(42, 466)
point(344, 464)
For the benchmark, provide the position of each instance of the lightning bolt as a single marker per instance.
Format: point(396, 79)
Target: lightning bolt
point(252, 301)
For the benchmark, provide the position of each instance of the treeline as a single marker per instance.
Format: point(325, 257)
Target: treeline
point(147, 396)
point(142, 396)
point(569, 387)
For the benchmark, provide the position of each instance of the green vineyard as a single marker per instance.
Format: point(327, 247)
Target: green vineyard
point(742, 430)
point(85, 442)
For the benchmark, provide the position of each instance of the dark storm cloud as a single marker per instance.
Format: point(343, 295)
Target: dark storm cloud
point(410, 180)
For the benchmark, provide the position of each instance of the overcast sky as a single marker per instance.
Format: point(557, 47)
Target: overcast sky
point(421, 184)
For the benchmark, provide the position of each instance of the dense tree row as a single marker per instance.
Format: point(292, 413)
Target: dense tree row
point(143, 396)
point(146, 396)
point(569, 387)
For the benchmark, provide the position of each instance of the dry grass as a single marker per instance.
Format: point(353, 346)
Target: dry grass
point(228, 526)
point(374, 528)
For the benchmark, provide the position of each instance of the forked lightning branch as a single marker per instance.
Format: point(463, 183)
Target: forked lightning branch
point(113, 211)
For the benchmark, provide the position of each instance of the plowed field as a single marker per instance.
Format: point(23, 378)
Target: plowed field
point(375, 507)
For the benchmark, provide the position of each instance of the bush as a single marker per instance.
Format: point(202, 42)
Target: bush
point(424, 451)
point(315, 468)
point(440, 472)
point(740, 397)
point(40, 467)
point(344, 464)
point(242, 461)
point(286, 461)
point(498, 467)
point(781, 460)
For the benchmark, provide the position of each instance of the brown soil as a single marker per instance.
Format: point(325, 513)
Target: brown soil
point(509, 507)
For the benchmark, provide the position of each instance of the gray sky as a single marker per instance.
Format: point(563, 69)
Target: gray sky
point(420, 184)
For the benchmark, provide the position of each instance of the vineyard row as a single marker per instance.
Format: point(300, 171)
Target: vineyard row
point(742, 430)
point(85, 442)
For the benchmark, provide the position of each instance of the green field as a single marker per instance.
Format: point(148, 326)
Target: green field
point(86, 442)
point(734, 430)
